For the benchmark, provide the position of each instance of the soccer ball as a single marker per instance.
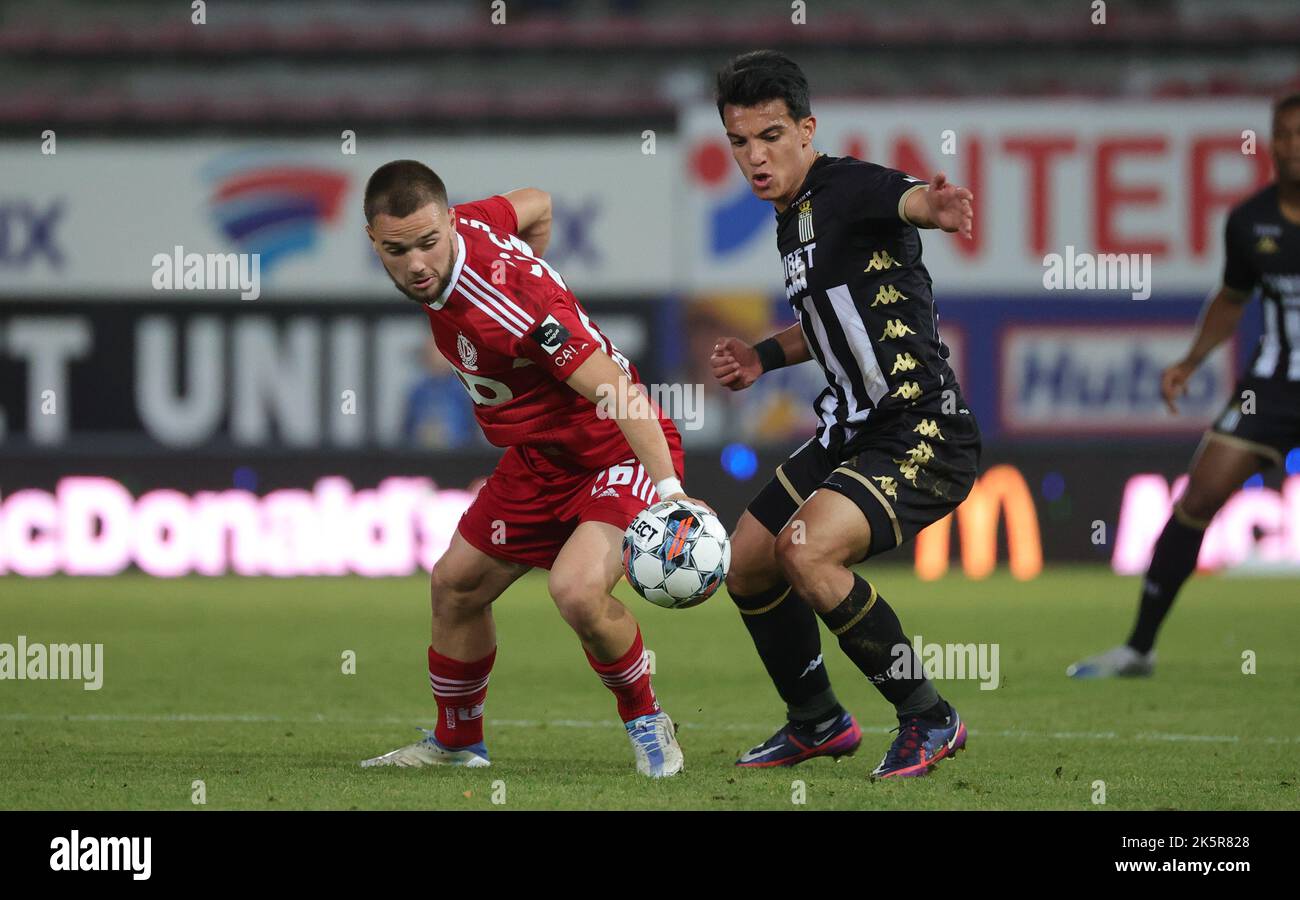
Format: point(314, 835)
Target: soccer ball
point(676, 554)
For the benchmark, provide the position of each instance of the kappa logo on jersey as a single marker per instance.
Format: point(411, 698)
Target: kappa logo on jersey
point(468, 355)
point(928, 428)
point(888, 294)
point(896, 328)
point(551, 335)
point(903, 362)
point(880, 260)
point(908, 390)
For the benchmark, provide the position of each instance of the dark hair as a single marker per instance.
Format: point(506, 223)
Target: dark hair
point(751, 78)
point(402, 186)
point(1282, 104)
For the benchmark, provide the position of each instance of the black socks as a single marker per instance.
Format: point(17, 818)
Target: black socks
point(1173, 560)
point(784, 630)
point(872, 637)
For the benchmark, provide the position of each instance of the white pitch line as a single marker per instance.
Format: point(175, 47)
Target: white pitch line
point(1209, 738)
point(319, 719)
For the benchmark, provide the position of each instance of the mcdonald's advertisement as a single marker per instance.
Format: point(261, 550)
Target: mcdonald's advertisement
point(393, 514)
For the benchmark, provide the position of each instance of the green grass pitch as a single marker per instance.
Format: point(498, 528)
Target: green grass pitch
point(239, 683)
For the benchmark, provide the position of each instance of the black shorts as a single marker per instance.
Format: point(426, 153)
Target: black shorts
point(905, 471)
point(1266, 421)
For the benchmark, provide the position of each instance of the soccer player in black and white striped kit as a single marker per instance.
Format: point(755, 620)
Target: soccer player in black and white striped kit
point(896, 448)
point(1261, 422)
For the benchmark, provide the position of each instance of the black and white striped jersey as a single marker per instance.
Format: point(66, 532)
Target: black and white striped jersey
point(1263, 252)
point(854, 277)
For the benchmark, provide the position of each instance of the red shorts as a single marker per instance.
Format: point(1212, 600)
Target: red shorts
point(528, 507)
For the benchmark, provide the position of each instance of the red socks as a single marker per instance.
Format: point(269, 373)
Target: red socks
point(460, 689)
point(629, 678)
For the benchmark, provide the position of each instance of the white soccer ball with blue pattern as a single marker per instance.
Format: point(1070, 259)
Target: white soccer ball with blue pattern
point(675, 554)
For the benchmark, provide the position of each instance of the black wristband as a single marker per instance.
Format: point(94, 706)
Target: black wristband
point(770, 354)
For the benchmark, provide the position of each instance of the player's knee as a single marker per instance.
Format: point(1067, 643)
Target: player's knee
point(580, 602)
point(455, 591)
point(796, 557)
point(753, 566)
point(1200, 503)
point(749, 575)
point(741, 583)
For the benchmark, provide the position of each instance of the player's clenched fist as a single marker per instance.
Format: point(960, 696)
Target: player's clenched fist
point(1173, 383)
point(735, 364)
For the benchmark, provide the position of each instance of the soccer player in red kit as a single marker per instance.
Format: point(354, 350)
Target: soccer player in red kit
point(539, 372)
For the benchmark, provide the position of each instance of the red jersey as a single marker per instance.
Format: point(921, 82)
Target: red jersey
point(513, 332)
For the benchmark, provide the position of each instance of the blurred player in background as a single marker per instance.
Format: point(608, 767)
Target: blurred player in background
point(896, 447)
point(1262, 420)
point(570, 481)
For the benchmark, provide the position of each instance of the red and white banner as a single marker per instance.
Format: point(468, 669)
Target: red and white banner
point(1102, 177)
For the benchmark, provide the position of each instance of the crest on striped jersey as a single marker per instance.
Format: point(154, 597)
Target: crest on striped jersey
point(805, 222)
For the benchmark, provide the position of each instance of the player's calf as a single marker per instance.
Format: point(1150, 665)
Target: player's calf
point(580, 584)
point(785, 634)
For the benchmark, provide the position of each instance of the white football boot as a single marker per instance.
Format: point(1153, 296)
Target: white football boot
point(654, 741)
point(428, 752)
point(1118, 662)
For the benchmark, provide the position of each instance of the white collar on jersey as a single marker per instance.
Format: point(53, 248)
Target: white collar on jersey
point(455, 275)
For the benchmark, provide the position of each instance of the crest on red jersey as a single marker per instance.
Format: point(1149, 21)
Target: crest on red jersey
point(468, 355)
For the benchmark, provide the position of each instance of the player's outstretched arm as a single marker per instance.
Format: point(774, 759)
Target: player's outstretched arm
point(941, 205)
point(1219, 321)
point(737, 365)
point(533, 210)
point(604, 383)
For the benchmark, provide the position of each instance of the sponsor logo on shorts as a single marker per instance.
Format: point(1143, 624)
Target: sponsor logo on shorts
point(888, 485)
